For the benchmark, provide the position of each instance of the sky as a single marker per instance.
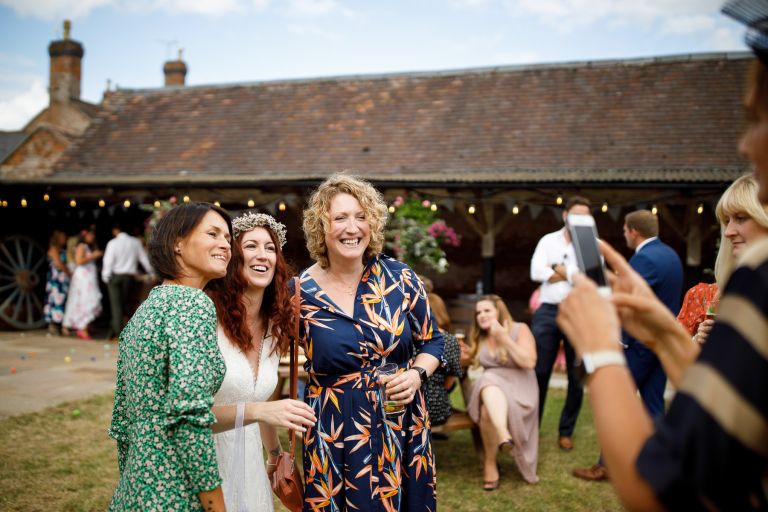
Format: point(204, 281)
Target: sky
point(241, 41)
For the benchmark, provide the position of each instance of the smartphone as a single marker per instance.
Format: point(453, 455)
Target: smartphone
point(584, 238)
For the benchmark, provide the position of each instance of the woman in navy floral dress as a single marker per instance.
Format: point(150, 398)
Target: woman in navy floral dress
point(359, 310)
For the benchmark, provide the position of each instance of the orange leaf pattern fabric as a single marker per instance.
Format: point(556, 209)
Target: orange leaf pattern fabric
point(354, 457)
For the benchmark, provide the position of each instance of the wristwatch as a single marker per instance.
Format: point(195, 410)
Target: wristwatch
point(422, 373)
point(594, 360)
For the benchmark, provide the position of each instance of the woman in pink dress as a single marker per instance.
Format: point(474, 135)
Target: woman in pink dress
point(505, 398)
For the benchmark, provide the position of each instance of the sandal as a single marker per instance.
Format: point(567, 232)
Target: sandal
point(491, 486)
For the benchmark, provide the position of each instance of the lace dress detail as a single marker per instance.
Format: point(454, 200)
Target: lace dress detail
point(239, 386)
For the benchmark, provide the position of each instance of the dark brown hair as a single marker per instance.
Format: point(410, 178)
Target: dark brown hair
point(576, 201)
point(228, 296)
point(644, 222)
point(177, 224)
point(756, 98)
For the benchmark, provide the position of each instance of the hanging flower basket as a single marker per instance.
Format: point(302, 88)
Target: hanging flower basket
point(416, 235)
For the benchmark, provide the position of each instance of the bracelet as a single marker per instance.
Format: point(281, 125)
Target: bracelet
point(271, 464)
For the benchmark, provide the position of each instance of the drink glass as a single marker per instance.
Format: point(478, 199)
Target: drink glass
point(391, 408)
point(711, 311)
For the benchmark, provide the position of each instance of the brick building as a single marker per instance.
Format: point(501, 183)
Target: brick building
point(507, 141)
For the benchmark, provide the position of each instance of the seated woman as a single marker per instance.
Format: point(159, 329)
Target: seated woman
point(505, 398)
point(743, 221)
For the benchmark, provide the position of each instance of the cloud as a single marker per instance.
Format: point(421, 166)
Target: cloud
point(307, 31)
point(17, 107)
point(75, 9)
point(314, 8)
point(729, 40)
point(689, 24)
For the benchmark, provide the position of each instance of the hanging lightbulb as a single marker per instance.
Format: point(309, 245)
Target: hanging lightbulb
point(471, 210)
point(5, 204)
point(515, 210)
point(604, 208)
point(23, 202)
point(559, 199)
point(46, 197)
point(700, 209)
point(217, 204)
point(391, 209)
point(186, 199)
point(281, 206)
point(156, 203)
point(127, 203)
point(251, 203)
point(433, 207)
point(102, 203)
point(654, 210)
point(72, 202)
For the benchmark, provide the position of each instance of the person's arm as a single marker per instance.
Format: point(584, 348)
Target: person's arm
point(541, 270)
point(272, 444)
point(143, 259)
point(53, 254)
point(647, 319)
point(108, 262)
point(189, 418)
point(592, 324)
point(213, 500)
point(522, 350)
point(287, 413)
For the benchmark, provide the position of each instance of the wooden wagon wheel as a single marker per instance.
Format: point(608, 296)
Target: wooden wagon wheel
point(22, 282)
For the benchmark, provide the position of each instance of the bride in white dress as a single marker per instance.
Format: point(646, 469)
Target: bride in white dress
point(253, 307)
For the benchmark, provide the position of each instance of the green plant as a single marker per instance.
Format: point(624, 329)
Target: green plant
point(416, 235)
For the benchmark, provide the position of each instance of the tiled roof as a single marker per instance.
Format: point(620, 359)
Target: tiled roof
point(9, 141)
point(674, 119)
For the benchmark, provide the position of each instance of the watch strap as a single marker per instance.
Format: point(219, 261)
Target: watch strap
point(595, 360)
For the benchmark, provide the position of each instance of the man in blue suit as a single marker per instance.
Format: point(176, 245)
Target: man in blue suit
point(660, 266)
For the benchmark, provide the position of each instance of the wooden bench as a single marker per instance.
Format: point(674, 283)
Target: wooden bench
point(460, 420)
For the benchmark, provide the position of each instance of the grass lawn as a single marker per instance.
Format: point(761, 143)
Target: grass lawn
point(57, 460)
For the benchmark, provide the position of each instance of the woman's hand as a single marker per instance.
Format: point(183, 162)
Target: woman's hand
point(287, 413)
point(589, 320)
point(402, 387)
point(703, 331)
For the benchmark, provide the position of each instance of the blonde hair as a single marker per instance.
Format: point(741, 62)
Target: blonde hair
point(317, 217)
point(478, 335)
point(740, 197)
point(439, 311)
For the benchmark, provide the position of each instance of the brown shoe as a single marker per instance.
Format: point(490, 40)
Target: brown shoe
point(565, 443)
point(596, 473)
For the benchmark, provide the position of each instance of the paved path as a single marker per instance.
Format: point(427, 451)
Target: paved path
point(39, 371)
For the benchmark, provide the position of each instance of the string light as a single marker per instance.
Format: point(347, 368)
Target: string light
point(102, 203)
point(281, 206)
point(471, 210)
point(127, 203)
point(700, 209)
point(433, 207)
point(604, 208)
point(217, 204)
point(251, 203)
point(46, 197)
point(5, 204)
point(559, 199)
point(72, 202)
point(515, 210)
point(23, 202)
point(185, 199)
point(654, 210)
point(391, 209)
point(157, 203)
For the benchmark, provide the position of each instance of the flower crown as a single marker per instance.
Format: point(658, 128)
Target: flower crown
point(249, 220)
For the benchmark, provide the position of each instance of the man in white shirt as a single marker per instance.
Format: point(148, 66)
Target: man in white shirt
point(121, 262)
point(552, 265)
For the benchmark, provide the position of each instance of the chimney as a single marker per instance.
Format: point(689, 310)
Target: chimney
point(66, 56)
point(175, 71)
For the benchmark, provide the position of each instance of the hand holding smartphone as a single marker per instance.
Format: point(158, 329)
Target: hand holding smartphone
point(584, 238)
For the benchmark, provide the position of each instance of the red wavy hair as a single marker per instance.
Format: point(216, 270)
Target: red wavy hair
point(228, 295)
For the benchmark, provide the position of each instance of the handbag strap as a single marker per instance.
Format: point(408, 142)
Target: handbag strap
point(294, 374)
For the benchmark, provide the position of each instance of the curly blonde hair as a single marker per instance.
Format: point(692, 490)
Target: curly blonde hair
point(740, 197)
point(317, 218)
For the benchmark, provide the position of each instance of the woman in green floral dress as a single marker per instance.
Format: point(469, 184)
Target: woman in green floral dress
point(168, 369)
